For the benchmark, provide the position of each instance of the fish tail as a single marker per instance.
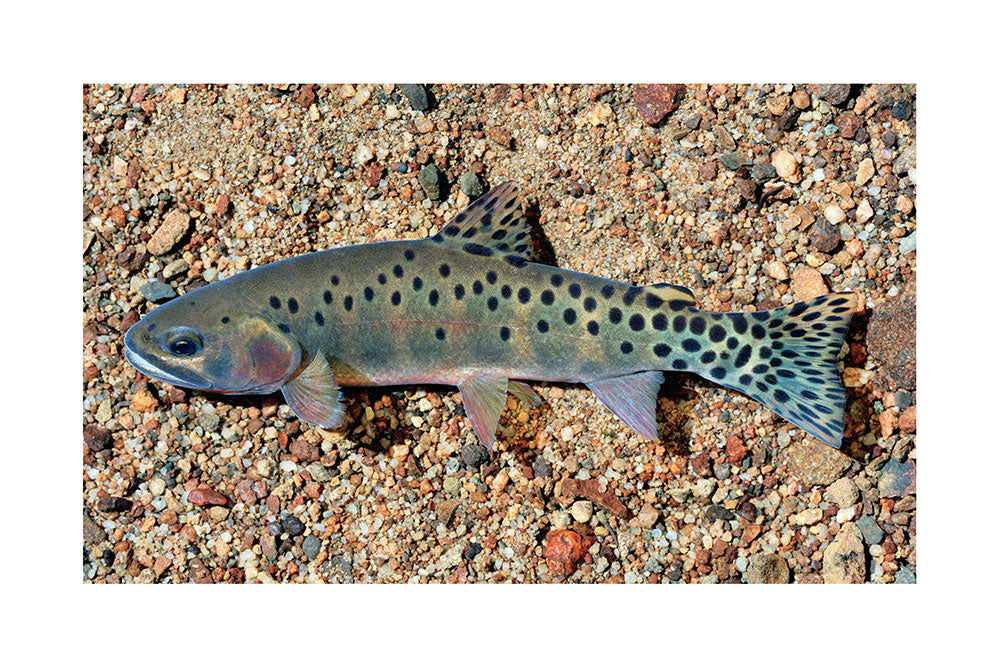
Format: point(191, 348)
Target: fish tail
point(786, 358)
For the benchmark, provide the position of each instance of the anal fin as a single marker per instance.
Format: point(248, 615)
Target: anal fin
point(484, 398)
point(314, 395)
point(632, 398)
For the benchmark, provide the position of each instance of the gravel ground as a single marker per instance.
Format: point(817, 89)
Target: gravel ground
point(752, 196)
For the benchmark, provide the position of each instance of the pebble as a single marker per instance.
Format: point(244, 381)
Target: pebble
point(174, 226)
point(870, 531)
point(896, 479)
point(891, 337)
point(806, 517)
point(834, 93)
point(648, 516)
point(293, 525)
point(363, 154)
point(157, 486)
point(834, 214)
point(842, 493)
point(655, 100)
point(808, 283)
point(704, 488)
point(560, 519)
point(864, 212)
point(815, 463)
point(733, 161)
point(785, 166)
point(908, 244)
point(202, 496)
point(767, 569)
point(154, 290)
point(763, 172)
point(96, 438)
point(582, 510)
point(844, 558)
point(474, 455)
point(908, 420)
point(431, 180)
point(416, 95)
point(824, 236)
point(777, 270)
point(865, 172)
point(310, 546)
point(564, 552)
point(470, 185)
point(906, 161)
point(903, 110)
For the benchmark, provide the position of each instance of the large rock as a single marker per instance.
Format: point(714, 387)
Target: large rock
point(844, 559)
point(654, 101)
point(173, 228)
point(815, 463)
point(892, 337)
point(767, 569)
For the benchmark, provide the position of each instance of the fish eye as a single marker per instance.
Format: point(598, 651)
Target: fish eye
point(183, 342)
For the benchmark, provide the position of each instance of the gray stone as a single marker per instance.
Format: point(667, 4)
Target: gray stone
point(733, 161)
point(906, 161)
point(430, 178)
point(470, 185)
point(905, 575)
point(416, 95)
point(897, 479)
point(892, 337)
point(154, 290)
point(311, 546)
point(870, 531)
point(93, 534)
point(763, 172)
point(318, 472)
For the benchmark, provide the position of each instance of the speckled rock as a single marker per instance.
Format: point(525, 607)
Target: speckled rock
point(654, 101)
point(843, 492)
point(767, 569)
point(174, 226)
point(815, 463)
point(844, 558)
point(897, 479)
point(892, 337)
point(431, 181)
point(416, 95)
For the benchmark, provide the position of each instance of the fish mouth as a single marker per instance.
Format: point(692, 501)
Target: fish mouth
point(176, 375)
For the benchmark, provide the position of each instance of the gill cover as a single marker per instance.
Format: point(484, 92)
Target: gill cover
point(266, 361)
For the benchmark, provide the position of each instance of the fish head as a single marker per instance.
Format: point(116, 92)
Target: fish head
point(204, 348)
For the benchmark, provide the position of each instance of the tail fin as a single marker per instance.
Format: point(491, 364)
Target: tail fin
point(787, 359)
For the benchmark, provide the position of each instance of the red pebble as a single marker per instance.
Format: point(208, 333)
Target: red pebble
point(205, 496)
point(564, 551)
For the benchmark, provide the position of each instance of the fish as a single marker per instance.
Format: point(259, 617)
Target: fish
point(467, 307)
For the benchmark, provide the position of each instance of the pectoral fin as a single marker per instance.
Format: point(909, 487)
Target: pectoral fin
point(632, 398)
point(524, 393)
point(484, 399)
point(314, 395)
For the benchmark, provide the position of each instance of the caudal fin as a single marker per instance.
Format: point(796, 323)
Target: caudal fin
point(787, 359)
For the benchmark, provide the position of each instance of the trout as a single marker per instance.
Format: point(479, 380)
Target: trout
point(467, 307)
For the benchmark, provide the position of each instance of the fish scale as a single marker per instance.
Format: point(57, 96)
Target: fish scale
point(466, 307)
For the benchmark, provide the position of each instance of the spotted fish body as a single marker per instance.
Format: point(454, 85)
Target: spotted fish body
point(467, 308)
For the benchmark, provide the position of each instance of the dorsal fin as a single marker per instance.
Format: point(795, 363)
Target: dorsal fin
point(494, 221)
point(665, 294)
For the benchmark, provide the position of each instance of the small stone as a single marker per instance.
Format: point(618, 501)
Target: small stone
point(834, 214)
point(174, 226)
point(844, 558)
point(825, 236)
point(904, 205)
point(416, 95)
point(807, 517)
point(582, 510)
point(474, 455)
point(903, 110)
point(724, 138)
point(816, 463)
point(96, 438)
point(560, 520)
point(423, 124)
point(654, 101)
point(704, 488)
point(648, 516)
point(897, 479)
point(391, 112)
point(430, 178)
point(785, 165)
point(834, 93)
point(565, 551)
point(470, 185)
point(767, 569)
point(292, 525)
point(908, 420)
point(157, 486)
point(763, 172)
point(908, 244)
point(857, 377)
point(842, 493)
point(319, 472)
point(864, 212)
point(801, 99)
point(599, 114)
point(870, 531)
point(154, 290)
point(93, 534)
point(808, 283)
point(363, 154)
point(114, 504)
point(311, 546)
point(865, 172)
point(733, 161)
point(202, 496)
point(777, 104)
point(892, 337)
point(177, 95)
point(777, 270)
point(905, 575)
point(906, 161)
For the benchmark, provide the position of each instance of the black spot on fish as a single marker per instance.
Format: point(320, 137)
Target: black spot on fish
point(293, 306)
point(556, 280)
point(507, 218)
point(770, 379)
point(439, 334)
point(417, 283)
point(838, 301)
point(335, 279)
point(432, 297)
point(348, 302)
point(732, 342)
point(691, 345)
point(524, 295)
point(328, 297)
point(504, 333)
point(653, 301)
point(661, 349)
point(718, 372)
point(515, 260)
point(505, 291)
point(477, 287)
point(589, 304)
point(765, 352)
point(626, 347)
point(491, 277)
point(408, 254)
point(615, 315)
point(397, 271)
point(574, 290)
point(659, 322)
point(492, 303)
point(593, 328)
point(444, 270)
point(745, 379)
point(225, 319)
point(569, 316)
point(369, 294)
point(630, 294)
point(757, 331)
point(697, 325)
point(498, 234)
point(740, 324)
point(396, 298)
point(607, 291)
point(812, 316)
point(759, 368)
point(637, 322)
point(785, 373)
point(275, 302)
point(760, 315)
point(451, 230)
point(319, 318)
point(284, 327)
point(680, 365)
point(151, 327)
point(677, 305)
point(708, 357)
point(680, 323)
point(381, 279)
point(548, 297)
point(780, 396)
point(716, 334)
point(542, 326)
point(743, 357)
point(797, 309)
point(459, 292)
point(776, 362)
point(476, 249)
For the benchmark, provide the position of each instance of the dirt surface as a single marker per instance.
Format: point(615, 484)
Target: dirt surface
point(751, 196)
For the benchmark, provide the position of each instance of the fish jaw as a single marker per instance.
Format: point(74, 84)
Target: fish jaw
point(181, 377)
